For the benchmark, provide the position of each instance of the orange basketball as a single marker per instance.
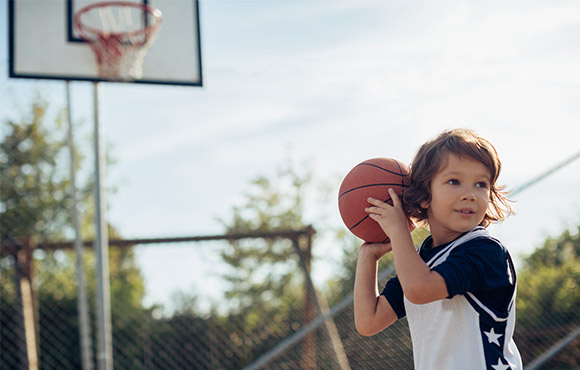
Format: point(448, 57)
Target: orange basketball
point(371, 178)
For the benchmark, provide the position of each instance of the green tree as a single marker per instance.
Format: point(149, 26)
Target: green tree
point(262, 271)
point(548, 303)
point(267, 283)
point(34, 190)
point(35, 202)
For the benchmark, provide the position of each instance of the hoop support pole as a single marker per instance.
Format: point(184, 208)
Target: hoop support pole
point(82, 297)
point(105, 342)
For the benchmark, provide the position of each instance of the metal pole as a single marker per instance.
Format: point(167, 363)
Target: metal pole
point(27, 338)
point(105, 346)
point(304, 250)
point(554, 350)
point(290, 341)
point(82, 298)
point(545, 174)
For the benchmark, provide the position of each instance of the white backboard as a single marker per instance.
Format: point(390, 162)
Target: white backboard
point(44, 44)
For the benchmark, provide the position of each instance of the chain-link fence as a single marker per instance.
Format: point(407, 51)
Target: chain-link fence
point(297, 327)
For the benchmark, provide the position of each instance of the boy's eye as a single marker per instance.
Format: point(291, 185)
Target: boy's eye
point(482, 185)
point(453, 182)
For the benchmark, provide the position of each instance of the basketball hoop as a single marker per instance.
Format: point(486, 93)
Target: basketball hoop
point(120, 34)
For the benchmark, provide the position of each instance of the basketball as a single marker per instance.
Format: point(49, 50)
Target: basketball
point(371, 178)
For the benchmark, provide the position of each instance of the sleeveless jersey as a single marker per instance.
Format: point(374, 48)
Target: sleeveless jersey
point(468, 330)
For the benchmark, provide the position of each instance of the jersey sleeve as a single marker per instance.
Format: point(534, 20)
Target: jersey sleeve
point(479, 265)
point(393, 292)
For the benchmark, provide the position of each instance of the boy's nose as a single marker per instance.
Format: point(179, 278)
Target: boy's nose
point(468, 195)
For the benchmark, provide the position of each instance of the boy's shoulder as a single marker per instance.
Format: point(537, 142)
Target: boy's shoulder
point(485, 247)
point(484, 243)
point(477, 243)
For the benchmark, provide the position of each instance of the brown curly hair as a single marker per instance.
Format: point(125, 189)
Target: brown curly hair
point(432, 156)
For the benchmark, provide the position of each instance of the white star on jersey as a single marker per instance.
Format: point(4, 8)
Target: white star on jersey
point(500, 365)
point(493, 337)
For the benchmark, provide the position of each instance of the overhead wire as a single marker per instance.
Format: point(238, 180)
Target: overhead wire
point(547, 173)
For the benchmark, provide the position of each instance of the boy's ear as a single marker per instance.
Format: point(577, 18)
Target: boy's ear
point(424, 204)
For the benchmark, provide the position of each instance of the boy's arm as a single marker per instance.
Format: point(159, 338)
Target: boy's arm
point(372, 311)
point(419, 283)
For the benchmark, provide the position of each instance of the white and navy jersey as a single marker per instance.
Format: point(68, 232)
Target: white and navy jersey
point(473, 328)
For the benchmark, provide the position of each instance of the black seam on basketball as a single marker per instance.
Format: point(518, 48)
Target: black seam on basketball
point(381, 168)
point(358, 223)
point(371, 185)
point(400, 173)
point(365, 217)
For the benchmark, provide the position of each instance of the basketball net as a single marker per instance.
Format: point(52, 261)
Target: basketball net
point(120, 34)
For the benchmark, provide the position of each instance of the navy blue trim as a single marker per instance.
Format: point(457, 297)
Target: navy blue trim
point(493, 338)
point(484, 315)
point(449, 245)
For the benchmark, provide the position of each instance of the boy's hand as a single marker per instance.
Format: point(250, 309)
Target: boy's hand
point(376, 249)
point(390, 218)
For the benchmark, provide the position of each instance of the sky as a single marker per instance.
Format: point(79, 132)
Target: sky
point(327, 84)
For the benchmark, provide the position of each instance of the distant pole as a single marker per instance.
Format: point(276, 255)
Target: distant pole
point(303, 247)
point(27, 340)
point(547, 173)
point(554, 350)
point(82, 298)
point(105, 345)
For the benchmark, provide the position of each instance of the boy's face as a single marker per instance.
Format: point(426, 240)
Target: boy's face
point(459, 198)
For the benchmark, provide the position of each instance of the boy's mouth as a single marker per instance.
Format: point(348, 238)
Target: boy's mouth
point(465, 211)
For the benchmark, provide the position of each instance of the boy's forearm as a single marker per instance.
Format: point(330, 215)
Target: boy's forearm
point(365, 291)
point(372, 312)
point(365, 283)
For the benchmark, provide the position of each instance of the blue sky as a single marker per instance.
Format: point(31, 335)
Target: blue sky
point(332, 83)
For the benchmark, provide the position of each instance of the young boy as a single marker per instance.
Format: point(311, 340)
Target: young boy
point(458, 289)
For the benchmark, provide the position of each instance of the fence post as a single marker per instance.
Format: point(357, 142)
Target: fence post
point(303, 247)
point(304, 252)
point(25, 299)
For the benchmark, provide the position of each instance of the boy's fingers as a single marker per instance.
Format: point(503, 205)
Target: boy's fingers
point(375, 202)
point(394, 198)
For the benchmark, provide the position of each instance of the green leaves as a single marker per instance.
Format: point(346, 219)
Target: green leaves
point(556, 251)
point(263, 271)
point(34, 182)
